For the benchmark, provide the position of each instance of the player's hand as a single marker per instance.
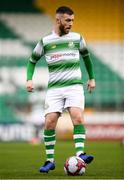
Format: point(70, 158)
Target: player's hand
point(91, 85)
point(29, 86)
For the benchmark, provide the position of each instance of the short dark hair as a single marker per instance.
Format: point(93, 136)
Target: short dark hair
point(64, 10)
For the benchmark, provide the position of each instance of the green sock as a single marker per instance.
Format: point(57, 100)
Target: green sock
point(49, 141)
point(79, 138)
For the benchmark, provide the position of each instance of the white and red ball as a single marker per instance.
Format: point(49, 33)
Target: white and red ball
point(74, 166)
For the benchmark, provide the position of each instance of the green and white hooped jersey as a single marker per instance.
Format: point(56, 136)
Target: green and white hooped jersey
point(62, 54)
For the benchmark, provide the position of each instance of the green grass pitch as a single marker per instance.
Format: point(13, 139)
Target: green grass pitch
point(22, 160)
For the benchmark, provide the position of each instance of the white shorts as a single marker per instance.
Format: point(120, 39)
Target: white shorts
point(59, 99)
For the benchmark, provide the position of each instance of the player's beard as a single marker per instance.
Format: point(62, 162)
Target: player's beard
point(63, 30)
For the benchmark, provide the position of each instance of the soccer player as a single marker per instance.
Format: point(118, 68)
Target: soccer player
point(62, 50)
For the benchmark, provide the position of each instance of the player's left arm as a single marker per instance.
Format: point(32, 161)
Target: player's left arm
point(88, 64)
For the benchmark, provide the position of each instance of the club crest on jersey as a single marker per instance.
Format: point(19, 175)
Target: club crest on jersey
point(53, 46)
point(71, 44)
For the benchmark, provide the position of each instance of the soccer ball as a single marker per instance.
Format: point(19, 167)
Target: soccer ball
point(74, 166)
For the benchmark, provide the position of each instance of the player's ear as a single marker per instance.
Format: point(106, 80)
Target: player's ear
point(58, 18)
point(58, 21)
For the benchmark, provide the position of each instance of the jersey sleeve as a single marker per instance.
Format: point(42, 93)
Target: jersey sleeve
point(37, 53)
point(87, 59)
point(83, 47)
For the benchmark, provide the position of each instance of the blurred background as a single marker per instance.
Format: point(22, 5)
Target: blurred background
point(22, 24)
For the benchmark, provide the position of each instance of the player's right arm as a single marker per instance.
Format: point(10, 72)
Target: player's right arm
point(36, 55)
